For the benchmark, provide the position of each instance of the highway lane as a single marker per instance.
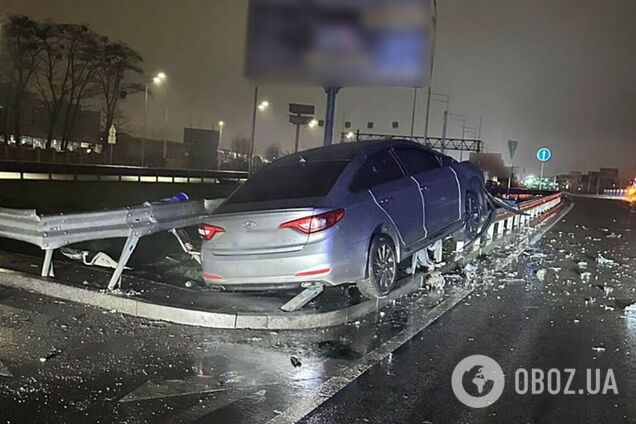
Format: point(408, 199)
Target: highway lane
point(563, 308)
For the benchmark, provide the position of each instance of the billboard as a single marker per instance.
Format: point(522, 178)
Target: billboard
point(340, 43)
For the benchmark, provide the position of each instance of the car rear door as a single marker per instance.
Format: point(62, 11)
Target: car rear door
point(395, 193)
point(438, 184)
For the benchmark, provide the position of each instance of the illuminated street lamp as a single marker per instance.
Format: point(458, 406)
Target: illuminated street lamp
point(313, 123)
point(221, 125)
point(156, 80)
point(350, 135)
point(263, 106)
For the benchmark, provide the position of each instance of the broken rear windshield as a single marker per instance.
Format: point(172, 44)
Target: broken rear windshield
point(289, 182)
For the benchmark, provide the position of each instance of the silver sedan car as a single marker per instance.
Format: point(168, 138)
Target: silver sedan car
point(348, 213)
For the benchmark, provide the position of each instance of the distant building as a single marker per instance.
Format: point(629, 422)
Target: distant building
point(608, 179)
point(595, 182)
point(493, 166)
point(198, 151)
point(203, 145)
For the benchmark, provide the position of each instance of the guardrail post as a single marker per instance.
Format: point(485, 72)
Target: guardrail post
point(490, 233)
point(47, 265)
point(500, 228)
point(509, 223)
point(126, 253)
point(438, 252)
point(477, 244)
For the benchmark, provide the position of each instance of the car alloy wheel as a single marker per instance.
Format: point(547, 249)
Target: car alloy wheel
point(384, 267)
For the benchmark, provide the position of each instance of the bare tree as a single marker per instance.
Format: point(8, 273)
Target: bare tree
point(19, 57)
point(82, 83)
point(118, 71)
point(63, 65)
point(52, 78)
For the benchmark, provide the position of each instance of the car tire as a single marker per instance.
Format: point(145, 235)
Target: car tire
point(473, 216)
point(382, 268)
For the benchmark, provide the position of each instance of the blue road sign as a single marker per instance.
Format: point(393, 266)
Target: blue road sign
point(544, 154)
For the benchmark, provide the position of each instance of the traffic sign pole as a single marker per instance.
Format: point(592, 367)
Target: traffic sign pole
point(543, 155)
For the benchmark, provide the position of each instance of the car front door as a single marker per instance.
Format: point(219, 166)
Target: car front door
point(395, 193)
point(439, 186)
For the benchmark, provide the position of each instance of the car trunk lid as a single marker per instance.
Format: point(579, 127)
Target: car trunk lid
point(256, 233)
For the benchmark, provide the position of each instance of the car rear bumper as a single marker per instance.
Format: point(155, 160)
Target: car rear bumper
point(329, 261)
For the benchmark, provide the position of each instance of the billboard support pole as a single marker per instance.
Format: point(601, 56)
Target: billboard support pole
point(432, 71)
point(332, 93)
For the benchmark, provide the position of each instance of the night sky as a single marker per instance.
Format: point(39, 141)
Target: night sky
point(546, 72)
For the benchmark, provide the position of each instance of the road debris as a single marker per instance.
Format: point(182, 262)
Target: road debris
point(541, 274)
point(603, 261)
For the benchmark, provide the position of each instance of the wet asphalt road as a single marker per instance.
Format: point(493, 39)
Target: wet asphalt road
point(555, 323)
point(63, 362)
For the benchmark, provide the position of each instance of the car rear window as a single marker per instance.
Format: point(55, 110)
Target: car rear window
point(309, 179)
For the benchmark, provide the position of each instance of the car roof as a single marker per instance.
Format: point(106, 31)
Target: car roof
point(344, 151)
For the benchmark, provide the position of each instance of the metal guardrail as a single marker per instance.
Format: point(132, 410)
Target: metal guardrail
point(110, 172)
point(508, 221)
point(50, 232)
point(435, 143)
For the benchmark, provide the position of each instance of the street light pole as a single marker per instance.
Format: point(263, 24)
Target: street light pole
point(251, 155)
point(157, 79)
point(414, 109)
point(165, 141)
point(143, 140)
point(221, 125)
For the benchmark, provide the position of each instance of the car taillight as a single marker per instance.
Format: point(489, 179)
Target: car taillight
point(315, 223)
point(209, 231)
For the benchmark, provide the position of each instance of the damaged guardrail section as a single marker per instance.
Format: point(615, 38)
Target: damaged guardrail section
point(506, 221)
point(50, 232)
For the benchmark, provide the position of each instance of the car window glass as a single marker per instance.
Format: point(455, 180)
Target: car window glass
point(417, 160)
point(378, 169)
point(312, 179)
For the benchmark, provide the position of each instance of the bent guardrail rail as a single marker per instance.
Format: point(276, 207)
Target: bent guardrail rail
point(508, 221)
point(50, 232)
